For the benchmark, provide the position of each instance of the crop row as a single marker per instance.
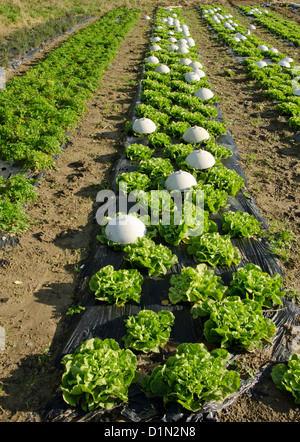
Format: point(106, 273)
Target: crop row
point(286, 29)
point(274, 71)
point(173, 107)
point(39, 108)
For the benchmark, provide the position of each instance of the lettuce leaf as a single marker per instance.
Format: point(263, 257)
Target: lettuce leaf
point(157, 258)
point(196, 285)
point(194, 375)
point(235, 322)
point(240, 224)
point(117, 286)
point(98, 374)
point(252, 283)
point(214, 249)
point(148, 331)
point(287, 377)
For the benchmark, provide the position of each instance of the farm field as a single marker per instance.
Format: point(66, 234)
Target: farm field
point(42, 272)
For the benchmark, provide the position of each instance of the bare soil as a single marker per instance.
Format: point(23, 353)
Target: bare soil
point(42, 276)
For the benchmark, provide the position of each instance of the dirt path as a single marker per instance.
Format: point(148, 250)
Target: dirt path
point(43, 275)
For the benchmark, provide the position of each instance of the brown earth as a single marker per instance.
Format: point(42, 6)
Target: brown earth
point(42, 278)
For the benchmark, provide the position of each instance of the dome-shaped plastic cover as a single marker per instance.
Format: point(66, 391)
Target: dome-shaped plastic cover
point(155, 39)
point(200, 159)
point(163, 69)
point(152, 59)
point(144, 126)
point(288, 59)
point(186, 61)
point(191, 41)
point(125, 229)
point(180, 180)
point(199, 72)
point(155, 47)
point(261, 63)
point(297, 92)
point(284, 64)
point(183, 50)
point(173, 47)
point(263, 48)
point(204, 93)
point(196, 65)
point(195, 134)
point(191, 76)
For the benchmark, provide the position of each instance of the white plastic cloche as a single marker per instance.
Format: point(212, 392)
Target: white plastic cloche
point(297, 92)
point(186, 61)
point(199, 72)
point(155, 47)
point(204, 93)
point(261, 63)
point(263, 48)
point(152, 59)
point(191, 76)
point(284, 64)
point(183, 49)
point(196, 65)
point(144, 126)
point(200, 159)
point(162, 69)
point(173, 47)
point(180, 180)
point(195, 134)
point(125, 229)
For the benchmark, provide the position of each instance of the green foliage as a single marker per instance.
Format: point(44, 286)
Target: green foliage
point(134, 180)
point(235, 322)
point(97, 375)
point(148, 331)
point(156, 169)
point(117, 286)
point(214, 249)
point(223, 179)
point(250, 282)
point(195, 285)
point(287, 377)
point(194, 375)
point(240, 224)
point(39, 106)
point(136, 152)
point(146, 254)
point(213, 199)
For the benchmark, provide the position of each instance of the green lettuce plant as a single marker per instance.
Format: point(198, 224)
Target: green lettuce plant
point(193, 376)
point(195, 285)
point(235, 322)
point(148, 331)
point(240, 224)
point(250, 282)
point(145, 253)
point(117, 286)
point(287, 377)
point(214, 249)
point(98, 374)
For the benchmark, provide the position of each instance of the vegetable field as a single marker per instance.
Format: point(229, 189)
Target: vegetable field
point(195, 320)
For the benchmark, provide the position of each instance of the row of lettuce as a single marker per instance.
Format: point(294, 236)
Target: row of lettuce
point(275, 72)
point(39, 108)
point(275, 23)
point(234, 319)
